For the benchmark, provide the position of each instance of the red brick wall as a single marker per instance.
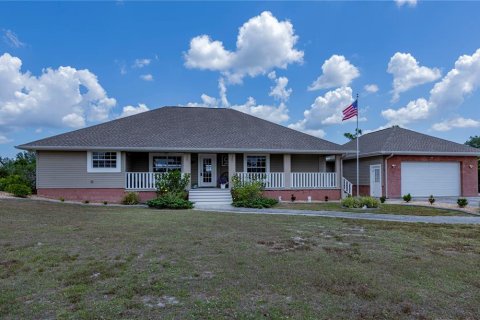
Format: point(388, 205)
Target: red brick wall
point(302, 195)
point(469, 176)
point(93, 195)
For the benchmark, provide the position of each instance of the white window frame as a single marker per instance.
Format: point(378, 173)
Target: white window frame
point(156, 154)
point(91, 169)
point(266, 155)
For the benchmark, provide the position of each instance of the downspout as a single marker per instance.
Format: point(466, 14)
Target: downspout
point(386, 174)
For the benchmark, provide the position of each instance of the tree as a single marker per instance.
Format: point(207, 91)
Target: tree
point(351, 136)
point(24, 166)
point(474, 142)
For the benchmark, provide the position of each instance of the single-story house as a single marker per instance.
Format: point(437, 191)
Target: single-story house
point(396, 161)
point(102, 162)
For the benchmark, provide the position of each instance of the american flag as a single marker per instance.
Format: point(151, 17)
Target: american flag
point(350, 111)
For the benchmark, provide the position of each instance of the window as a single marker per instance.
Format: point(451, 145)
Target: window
point(256, 163)
point(166, 163)
point(103, 161)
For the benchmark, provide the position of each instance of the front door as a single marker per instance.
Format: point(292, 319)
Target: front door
point(376, 180)
point(207, 170)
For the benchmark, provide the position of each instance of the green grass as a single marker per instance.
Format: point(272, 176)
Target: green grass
point(69, 261)
point(383, 209)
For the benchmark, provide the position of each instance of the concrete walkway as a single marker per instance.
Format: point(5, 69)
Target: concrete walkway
point(350, 215)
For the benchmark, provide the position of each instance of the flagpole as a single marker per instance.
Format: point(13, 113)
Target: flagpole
point(358, 137)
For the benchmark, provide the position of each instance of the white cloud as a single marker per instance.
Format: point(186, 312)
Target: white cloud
point(57, 98)
point(326, 110)
point(407, 73)
point(12, 39)
point(207, 102)
point(140, 63)
point(456, 123)
point(414, 110)
point(263, 43)
point(410, 3)
point(449, 93)
point(4, 139)
point(336, 71)
point(371, 88)
point(131, 110)
point(147, 77)
point(277, 114)
point(280, 90)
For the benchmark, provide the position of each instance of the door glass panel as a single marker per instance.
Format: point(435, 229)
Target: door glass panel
point(377, 175)
point(207, 170)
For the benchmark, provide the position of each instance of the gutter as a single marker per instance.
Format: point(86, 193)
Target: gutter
point(416, 153)
point(386, 174)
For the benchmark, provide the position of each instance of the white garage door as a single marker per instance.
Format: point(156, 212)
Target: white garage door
point(422, 179)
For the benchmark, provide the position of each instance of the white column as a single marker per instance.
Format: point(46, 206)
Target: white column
point(338, 170)
point(187, 166)
point(232, 168)
point(287, 170)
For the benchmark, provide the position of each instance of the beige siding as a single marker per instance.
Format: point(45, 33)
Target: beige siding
point(305, 163)
point(276, 163)
point(59, 169)
point(350, 169)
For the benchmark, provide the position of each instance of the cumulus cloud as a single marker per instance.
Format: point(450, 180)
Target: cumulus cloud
point(407, 73)
point(456, 123)
point(131, 110)
point(280, 90)
point(449, 93)
point(140, 63)
point(326, 110)
point(207, 102)
point(371, 88)
point(147, 77)
point(277, 114)
point(4, 139)
point(56, 98)
point(410, 3)
point(12, 39)
point(263, 43)
point(336, 71)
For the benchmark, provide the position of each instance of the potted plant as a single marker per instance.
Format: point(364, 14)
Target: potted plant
point(431, 199)
point(222, 181)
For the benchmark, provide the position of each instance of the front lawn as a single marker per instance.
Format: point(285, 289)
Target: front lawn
point(90, 262)
point(383, 208)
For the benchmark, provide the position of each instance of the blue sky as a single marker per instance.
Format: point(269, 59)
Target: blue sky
point(68, 65)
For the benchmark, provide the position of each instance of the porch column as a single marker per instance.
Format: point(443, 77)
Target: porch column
point(338, 170)
point(287, 170)
point(231, 168)
point(322, 163)
point(187, 167)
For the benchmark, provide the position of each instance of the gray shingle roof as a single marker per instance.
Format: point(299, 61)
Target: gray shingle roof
point(187, 129)
point(403, 141)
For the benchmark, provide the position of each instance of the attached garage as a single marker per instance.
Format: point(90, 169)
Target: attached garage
point(422, 179)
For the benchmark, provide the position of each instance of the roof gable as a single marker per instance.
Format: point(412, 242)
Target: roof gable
point(188, 128)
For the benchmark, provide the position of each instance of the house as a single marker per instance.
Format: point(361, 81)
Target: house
point(101, 162)
point(397, 161)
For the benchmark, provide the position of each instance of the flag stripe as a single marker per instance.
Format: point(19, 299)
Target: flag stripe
point(350, 111)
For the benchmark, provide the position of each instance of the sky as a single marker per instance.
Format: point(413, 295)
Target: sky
point(64, 66)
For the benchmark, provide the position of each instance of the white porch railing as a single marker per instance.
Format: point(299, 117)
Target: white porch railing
point(314, 180)
point(347, 186)
point(141, 180)
point(271, 180)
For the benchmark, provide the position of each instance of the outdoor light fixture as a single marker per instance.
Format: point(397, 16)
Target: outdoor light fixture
point(394, 165)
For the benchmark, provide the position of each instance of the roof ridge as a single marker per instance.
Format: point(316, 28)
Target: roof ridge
point(393, 129)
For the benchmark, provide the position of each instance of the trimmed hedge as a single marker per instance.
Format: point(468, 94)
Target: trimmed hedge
point(258, 203)
point(170, 201)
point(360, 202)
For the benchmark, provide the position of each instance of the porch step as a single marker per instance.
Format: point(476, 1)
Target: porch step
point(210, 196)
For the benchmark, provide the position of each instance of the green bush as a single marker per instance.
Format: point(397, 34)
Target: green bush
point(360, 202)
point(383, 199)
point(23, 165)
point(170, 201)
point(9, 180)
point(19, 190)
point(431, 199)
point(131, 198)
point(407, 198)
point(462, 202)
point(249, 194)
point(172, 182)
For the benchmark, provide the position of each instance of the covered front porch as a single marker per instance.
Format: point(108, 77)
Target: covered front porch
point(212, 170)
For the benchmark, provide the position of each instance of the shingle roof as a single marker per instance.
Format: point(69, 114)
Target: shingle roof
point(187, 129)
point(398, 140)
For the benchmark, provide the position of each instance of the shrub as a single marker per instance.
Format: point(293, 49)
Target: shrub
point(86, 201)
point(407, 198)
point(258, 203)
point(360, 202)
point(248, 194)
point(172, 182)
point(105, 202)
point(431, 199)
point(383, 199)
point(61, 199)
point(130, 198)
point(9, 180)
point(352, 202)
point(369, 202)
point(462, 202)
point(19, 190)
point(170, 201)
